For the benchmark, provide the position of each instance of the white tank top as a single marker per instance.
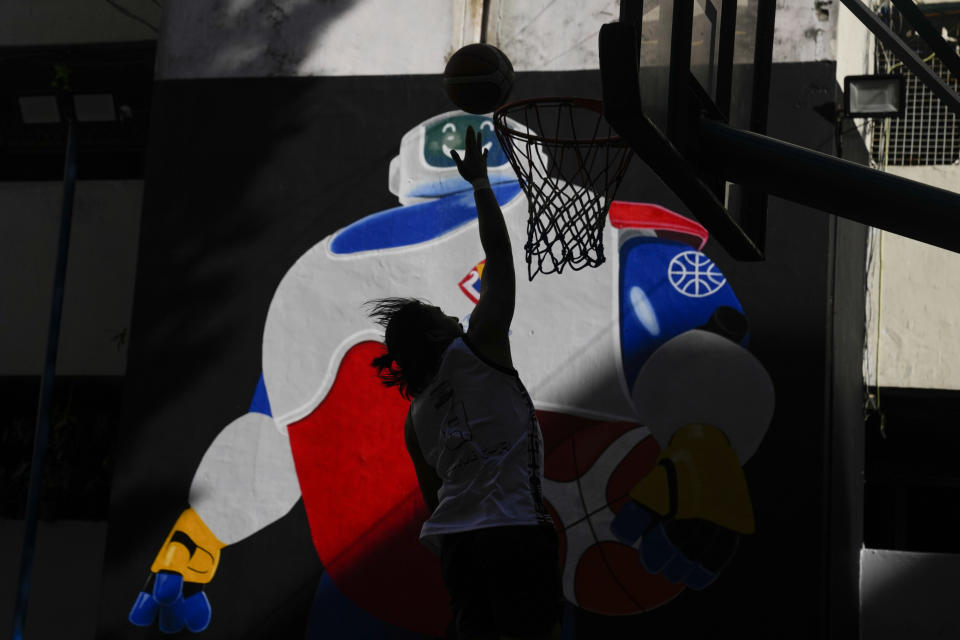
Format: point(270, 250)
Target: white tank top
point(476, 426)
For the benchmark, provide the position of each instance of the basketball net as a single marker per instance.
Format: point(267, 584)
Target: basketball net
point(569, 162)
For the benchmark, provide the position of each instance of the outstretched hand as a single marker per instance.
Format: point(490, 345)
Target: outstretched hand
point(473, 165)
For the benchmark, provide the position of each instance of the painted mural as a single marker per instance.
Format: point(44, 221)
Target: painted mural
point(648, 398)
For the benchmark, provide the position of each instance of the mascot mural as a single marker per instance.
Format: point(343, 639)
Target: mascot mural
point(648, 400)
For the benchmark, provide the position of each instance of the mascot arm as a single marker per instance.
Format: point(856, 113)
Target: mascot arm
point(687, 514)
point(708, 402)
point(245, 481)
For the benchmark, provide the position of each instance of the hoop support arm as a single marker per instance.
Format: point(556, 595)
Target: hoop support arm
point(623, 110)
point(833, 185)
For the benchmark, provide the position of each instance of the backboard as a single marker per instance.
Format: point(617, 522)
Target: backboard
point(693, 58)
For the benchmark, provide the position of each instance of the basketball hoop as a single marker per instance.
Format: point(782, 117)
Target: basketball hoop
point(569, 162)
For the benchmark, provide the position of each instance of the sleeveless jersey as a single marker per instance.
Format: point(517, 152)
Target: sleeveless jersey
point(477, 428)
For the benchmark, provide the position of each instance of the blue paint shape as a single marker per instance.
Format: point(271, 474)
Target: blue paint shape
point(402, 226)
point(632, 521)
point(168, 588)
point(656, 549)
point(260, 402)
point(144, 610)
point(197, 612)
point(678, 569)
point(700, 578)
point(660, 297)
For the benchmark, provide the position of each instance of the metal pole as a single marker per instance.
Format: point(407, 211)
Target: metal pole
point(46, 386)
point(930, 35)
point(837, 186)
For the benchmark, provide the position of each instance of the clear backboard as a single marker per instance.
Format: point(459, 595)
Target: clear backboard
point(693, 58)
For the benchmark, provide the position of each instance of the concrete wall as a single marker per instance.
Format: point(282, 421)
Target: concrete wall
point(912, 340)
point(550, 36)
point(260, 200)
point(914, 333)
point(909, 595)
point(913, 336)
point(806, 31)
point(65, 583)
point(102, 260)
point(98, 294)
point(46, 22)
point(259, 39)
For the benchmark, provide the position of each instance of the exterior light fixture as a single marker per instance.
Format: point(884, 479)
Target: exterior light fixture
point(41, 109)
point(94, 107)
point(874, 96)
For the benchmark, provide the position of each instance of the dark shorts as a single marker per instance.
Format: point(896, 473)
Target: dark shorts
point(503, 579)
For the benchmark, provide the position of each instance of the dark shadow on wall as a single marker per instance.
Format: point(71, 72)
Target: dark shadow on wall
point(912, 479)
point(243, 176)
point(778, 573)
point(231, 166)
point(79, 460)
point(785, 301)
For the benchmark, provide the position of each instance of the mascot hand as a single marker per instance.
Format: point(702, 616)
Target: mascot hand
point(686, 516)
point(187, 560)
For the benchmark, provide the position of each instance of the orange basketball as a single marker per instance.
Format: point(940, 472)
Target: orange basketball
point(478, 78)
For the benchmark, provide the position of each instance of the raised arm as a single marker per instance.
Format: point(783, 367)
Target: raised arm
point(489, 328)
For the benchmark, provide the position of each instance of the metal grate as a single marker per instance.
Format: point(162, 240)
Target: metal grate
point(928, 133)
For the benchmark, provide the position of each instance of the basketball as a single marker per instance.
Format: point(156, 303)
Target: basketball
point(478, 78)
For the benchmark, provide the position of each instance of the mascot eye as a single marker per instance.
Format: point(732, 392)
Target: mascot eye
point(449, 128)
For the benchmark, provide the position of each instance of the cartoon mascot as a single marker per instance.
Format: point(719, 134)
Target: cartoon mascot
point(648, 400)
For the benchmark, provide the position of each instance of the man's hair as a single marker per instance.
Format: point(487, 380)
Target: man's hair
point(413, 351)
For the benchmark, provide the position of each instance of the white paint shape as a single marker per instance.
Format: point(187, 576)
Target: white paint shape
point(246, 479)
point(644, 311)
point(699, 377)
point(582, 508)
point(694, 275)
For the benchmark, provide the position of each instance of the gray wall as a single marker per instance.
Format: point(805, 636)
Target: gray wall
point(65, 585)
point(98, 294)
point(909, 595)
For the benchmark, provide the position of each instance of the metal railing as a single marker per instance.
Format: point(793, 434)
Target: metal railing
point(929, 132)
